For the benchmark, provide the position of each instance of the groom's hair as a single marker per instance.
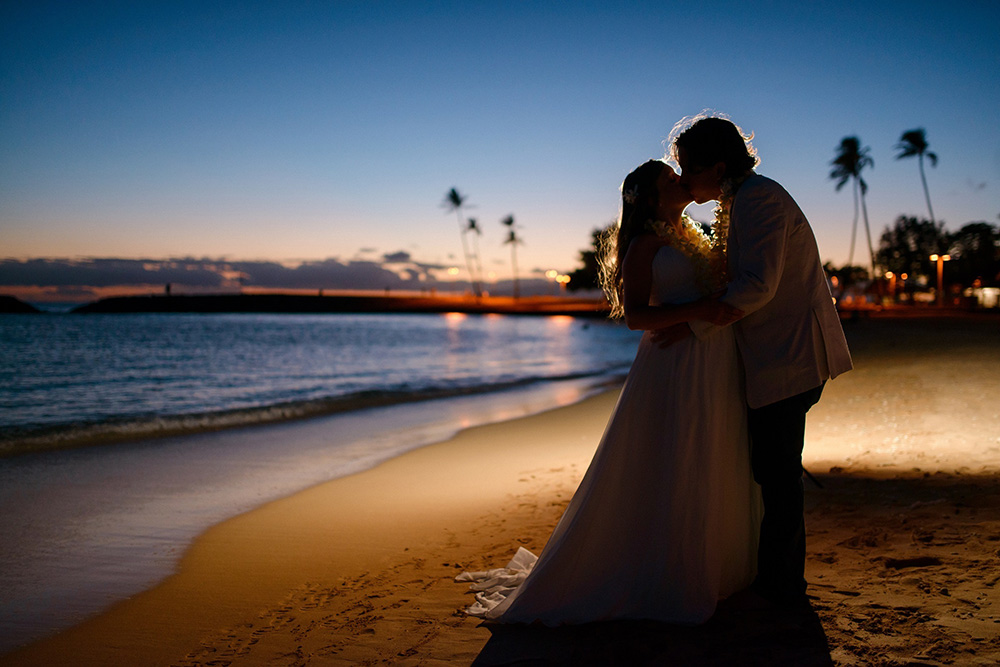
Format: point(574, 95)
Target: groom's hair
point(712, 140)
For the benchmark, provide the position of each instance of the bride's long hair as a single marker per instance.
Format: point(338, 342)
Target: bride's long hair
point(640, 200)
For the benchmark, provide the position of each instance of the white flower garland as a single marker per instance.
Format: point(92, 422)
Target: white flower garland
point(706, 251)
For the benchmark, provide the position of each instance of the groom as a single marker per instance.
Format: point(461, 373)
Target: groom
point(790, 340)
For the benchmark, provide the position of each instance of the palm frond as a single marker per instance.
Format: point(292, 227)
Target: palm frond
point(512, 237)
point(850, 159)
point(842, 178)
point(912, 142)
point(453, 199)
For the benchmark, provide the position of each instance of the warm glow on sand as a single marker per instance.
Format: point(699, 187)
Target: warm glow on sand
point(932, 411)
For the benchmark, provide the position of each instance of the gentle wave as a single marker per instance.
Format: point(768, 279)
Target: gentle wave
point(15, 441)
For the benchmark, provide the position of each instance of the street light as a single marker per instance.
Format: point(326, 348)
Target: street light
point(552, 274)
point(892, 285)
point(940, 259)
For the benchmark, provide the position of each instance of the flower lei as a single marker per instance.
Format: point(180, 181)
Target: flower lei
point(706, 251)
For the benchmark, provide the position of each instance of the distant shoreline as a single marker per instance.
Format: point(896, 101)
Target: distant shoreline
point(343, 303)
point(588, 307)
point(10, 304)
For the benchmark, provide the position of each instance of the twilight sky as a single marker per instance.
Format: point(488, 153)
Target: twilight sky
point(309, 131)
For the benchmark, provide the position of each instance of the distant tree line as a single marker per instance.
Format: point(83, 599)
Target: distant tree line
point(587, 277)
point(906, 247)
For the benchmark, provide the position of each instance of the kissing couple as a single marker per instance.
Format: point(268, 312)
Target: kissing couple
point(695, 491)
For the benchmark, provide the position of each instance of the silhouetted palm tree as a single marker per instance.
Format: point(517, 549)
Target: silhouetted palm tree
point(851, 159)
point(514, 241)
point(454, 201)
point(914, 142)
point(473, 228)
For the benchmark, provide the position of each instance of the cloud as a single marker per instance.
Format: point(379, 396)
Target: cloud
point(109, 272)
point(70, 274)
point(84, 279)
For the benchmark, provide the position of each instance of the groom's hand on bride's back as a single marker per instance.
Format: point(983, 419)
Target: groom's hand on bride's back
point(672, 334)
point(718, 312)
point(710, 310)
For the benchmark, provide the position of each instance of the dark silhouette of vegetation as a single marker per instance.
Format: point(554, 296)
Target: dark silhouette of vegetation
point(914, 142)
point(906, 247)
point(513, 240)
point(848, 164)
point(10, 304)
point(975, 254)
point(847, 275)
point(454, 201)
point(588, 276)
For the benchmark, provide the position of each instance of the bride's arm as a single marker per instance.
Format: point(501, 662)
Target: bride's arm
point(637, 278)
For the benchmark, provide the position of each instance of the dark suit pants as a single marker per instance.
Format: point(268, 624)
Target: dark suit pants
point(777, 432)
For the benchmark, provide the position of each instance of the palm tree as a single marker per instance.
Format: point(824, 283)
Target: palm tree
point(851, 159)
point(514, 241)
point(473, 228)
point(914, 142)
point(453, 201)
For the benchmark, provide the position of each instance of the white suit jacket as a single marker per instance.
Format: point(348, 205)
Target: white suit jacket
point(790, 339)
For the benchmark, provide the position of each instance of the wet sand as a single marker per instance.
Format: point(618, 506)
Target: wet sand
point(904, 550)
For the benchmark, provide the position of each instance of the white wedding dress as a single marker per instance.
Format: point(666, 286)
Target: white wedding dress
point(665, 521)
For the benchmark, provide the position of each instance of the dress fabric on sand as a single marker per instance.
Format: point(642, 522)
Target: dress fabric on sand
point(665, 521)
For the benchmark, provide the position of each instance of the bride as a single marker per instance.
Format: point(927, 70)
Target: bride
point(664, 523)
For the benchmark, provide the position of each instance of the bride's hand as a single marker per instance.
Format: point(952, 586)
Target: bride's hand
point(719, 312)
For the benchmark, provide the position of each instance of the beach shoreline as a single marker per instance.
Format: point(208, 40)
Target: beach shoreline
point(133, 508)
point(358, 570)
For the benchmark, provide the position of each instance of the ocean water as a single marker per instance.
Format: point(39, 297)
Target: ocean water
point(75, 379)
point(305, 399)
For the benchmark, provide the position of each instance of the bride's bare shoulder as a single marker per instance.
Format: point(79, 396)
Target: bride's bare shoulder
point(642, 249)
point(647, 242)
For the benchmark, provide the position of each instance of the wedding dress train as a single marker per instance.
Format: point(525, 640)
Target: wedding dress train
point(665, 521)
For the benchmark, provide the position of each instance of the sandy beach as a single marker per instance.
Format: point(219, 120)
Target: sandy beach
point(903, 564)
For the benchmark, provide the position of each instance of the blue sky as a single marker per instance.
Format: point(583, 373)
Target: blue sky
point(332, 130)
